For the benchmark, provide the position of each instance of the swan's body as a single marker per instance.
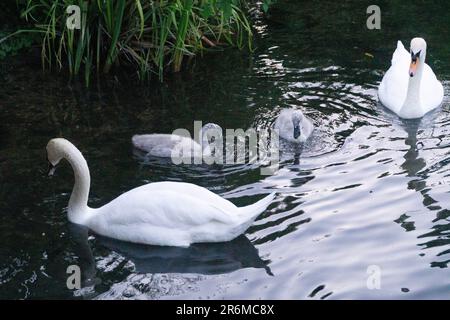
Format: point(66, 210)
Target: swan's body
point(410, 88)
point(173, 145)
point(160, 213)
point(293, 126)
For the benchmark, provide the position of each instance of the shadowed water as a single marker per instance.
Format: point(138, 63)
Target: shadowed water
point(368, 189)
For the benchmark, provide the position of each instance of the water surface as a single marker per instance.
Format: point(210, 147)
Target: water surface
point(367, 190)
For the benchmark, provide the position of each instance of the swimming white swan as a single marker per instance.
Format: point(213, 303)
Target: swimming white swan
point(160, 213)
point(170, 145)
point(410, 88)
point(293, 126)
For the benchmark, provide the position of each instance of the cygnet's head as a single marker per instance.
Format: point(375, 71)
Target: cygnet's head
point(418, 49)
point(209, 133)
point(297, 117)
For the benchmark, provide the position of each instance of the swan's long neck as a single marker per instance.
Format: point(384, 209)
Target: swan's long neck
point(412, 107)
point(78, 209)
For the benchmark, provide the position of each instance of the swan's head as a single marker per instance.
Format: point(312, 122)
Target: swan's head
point(418, 50)
point(297, 117)
point(55, 152)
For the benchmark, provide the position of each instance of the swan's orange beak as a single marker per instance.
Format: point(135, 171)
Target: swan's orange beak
point(413, 67)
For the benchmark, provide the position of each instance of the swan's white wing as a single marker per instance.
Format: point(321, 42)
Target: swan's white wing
point(394, 85)
point(400, 55)
point(172, 205)
point(431, 89)
point(166, 213)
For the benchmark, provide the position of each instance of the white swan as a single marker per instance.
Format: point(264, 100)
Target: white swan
point(173, 145)
point(293, 126)
point(160, 213)
point(410, 88)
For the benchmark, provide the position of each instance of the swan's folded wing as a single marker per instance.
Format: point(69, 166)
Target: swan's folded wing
point(400, 55)
point(164, 209)
point(431, 89)
point(393, 88)
point(394, 85)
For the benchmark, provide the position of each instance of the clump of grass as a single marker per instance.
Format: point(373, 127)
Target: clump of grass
point(153, 36)
point(10, 21)
point(12, 47)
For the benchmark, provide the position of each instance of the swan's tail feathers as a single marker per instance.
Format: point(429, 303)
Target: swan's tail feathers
point(252, 211)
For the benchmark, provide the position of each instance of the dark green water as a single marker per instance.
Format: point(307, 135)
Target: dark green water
point(367, 190)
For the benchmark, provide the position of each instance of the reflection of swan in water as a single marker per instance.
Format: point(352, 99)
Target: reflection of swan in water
point(412, 163)
point(290, 153)
point(202, 258)
point(79, 234)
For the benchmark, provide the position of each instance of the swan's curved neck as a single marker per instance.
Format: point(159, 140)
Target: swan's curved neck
point(78, 209)
point(412, 106)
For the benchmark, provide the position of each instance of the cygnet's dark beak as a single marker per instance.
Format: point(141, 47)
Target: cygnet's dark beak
point(296, 131)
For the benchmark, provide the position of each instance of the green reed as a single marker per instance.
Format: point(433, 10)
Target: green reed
point(153, 36)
